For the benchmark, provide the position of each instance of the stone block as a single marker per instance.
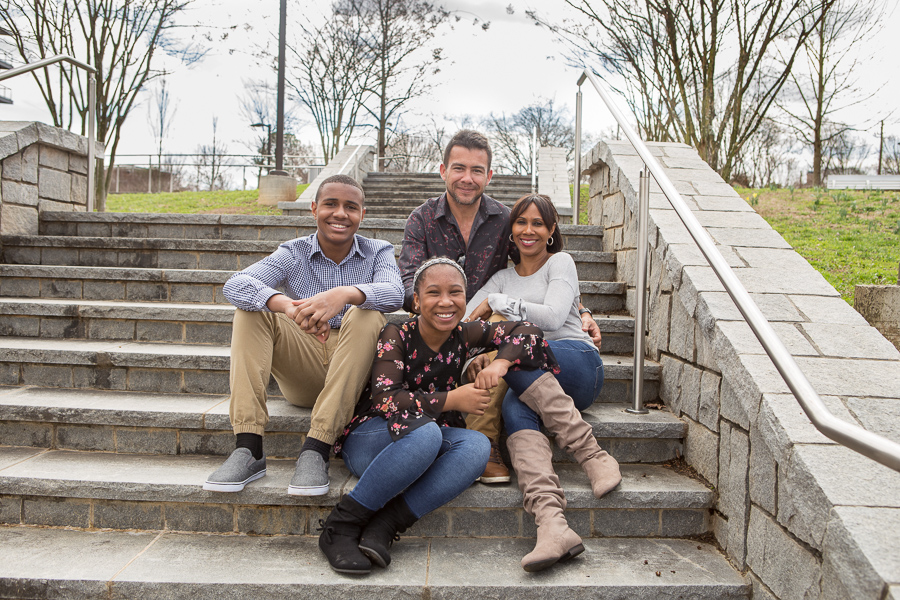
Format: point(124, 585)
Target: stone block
point(708, 410)
point(878, 415)
point(145, 440)
point(273, 520)
point(763, 473)
point(128, 515)
point(738, 336)
point(103, 290)
point(199, 517)
point(155, 380)
point(785, 566)
point(217, 443)
point(12, 167)
point(34, 435)
point(47, 375)
point(177, 260)
point(658, 339)
point(701, 451)
point(627, 523)
point(62, 328)
point(193, 293)
point(138, 260)
point(681, 334)
point(79, 191)
point(853, 342)
point(690, 391)
point(614, 210)
point(684, 523)
point(97, 258)
point(670, 383)
point(206, 382)
point(819, 309)
point(78, 164)
point(105, 378)
point(160, 331)
point(54, 158)
point(219, 333)
point(738, 407)
point(13, 192)
point(15, 287)
point(218, 261)
point(54, 185)
point(10, 510)
point(139, 291)
point(56, 512)
point(9, 374)
point(734, 457)
point(703, 348)
point(20, 326)
point(85, 437)
point(485, 522)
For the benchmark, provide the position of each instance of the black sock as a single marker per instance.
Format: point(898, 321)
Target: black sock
point(322, 448)
point(252, 442)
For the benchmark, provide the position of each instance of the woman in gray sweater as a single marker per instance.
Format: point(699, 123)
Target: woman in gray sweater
point(543, 289)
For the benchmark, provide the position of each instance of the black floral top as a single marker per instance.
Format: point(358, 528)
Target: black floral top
point(410, 381)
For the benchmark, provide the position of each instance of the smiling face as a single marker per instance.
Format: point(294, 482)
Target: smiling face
point(466, 174)
point(531, 233)
point(338, 212)
point(441, 298)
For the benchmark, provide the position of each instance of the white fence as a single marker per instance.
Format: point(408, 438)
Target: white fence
point(864, 182)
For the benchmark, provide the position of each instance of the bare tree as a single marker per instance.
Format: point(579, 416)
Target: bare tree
point(211, 161)
point(161, 114)
point(512, 137)
point(331, 76)
point(702, 72)
point(412, 152)
point(844, 153)
point(826, 81)
point(891, 160)
point(397, 36)
point(767, 158)
point(118, 37)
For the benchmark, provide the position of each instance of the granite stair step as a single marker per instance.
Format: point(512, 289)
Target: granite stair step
point(58, 563)
point(223, 255)
point(188, 368)
point(247, 227)
point(154, 423)
point(66, 488)
point(188, 323)
point(196, 285)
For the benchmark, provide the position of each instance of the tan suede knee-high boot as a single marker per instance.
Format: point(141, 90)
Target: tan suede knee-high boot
point(573, 434)
point(531, 457)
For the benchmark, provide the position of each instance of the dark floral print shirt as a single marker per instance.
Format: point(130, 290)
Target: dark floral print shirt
point(410, 381)
point(432, 231)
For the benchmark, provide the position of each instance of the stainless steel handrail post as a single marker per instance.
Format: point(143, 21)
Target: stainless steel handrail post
point(640, 295)
point(92, 126)
point(534, 160)
point(92, 106)
point(872, 445)
point(576, 188)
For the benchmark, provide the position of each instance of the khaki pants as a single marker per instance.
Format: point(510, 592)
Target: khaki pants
point(491, 422)
point(326, 377)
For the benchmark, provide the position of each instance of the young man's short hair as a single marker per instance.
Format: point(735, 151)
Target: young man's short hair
point(471, 140)
point(345, 179)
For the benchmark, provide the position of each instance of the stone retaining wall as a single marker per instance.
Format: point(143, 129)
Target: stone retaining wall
point(802, 516)
point(355, 161)
point(41, 168)
point(553, 180)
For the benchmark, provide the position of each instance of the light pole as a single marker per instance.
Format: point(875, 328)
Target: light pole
point(268, 140)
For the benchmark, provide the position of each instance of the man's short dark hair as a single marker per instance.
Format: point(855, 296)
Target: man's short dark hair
point(471, 140)
point(346, 180)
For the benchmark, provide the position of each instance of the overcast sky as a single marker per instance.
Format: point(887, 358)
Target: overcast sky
point(499, 70)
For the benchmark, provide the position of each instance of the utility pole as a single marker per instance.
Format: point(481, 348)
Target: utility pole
point(279, 132)
point(880, 146)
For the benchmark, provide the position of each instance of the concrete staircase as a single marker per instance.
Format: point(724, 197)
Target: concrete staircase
point(114, 409)
point(395, 195)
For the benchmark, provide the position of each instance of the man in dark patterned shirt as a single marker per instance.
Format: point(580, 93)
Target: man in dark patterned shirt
point(309, 314)
point(469, 226)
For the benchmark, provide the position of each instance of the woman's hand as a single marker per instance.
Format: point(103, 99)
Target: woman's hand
point(476, 365)
point(482, 311)
point(491, 375)
point(468, 399)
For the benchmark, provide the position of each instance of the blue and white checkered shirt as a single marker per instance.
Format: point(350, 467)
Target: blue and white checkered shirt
point(301, 269)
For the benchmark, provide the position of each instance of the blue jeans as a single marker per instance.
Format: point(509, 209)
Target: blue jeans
point(581, 378)
point(432, 464)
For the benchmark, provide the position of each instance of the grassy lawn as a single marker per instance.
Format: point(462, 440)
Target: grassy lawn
point(215, 203)
point(851, 237)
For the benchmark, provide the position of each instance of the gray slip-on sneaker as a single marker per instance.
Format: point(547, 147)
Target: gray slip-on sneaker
point(239, 470)
point(311, 476)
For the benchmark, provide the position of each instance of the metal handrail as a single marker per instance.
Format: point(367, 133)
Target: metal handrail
point(856, 438)
point(92, 107)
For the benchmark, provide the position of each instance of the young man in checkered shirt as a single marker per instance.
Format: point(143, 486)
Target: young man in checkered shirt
point(309, 314)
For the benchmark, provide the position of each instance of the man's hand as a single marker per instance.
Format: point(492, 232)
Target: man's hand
point(312, 314)
point(491, 375)
point(589, 325)
point(468, 399)
point(482, 311)
point(476, 365)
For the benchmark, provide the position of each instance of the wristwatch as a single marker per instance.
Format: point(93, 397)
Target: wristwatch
point(581, 311)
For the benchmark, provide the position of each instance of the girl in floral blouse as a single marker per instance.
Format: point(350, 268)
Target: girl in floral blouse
point(408, 443)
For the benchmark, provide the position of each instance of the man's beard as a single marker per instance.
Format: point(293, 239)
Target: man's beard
point(458, 201)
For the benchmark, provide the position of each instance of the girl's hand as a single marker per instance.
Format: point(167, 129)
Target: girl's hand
point(491, 375)
point(483, 311)
point(476, 365)
point(468, 399)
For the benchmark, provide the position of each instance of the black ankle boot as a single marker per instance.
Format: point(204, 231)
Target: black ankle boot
point(339, 540)
point(384, 528)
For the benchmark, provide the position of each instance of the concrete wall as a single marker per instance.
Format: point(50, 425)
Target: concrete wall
point(553, 180)
point(41, 168)
point(803, 516)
